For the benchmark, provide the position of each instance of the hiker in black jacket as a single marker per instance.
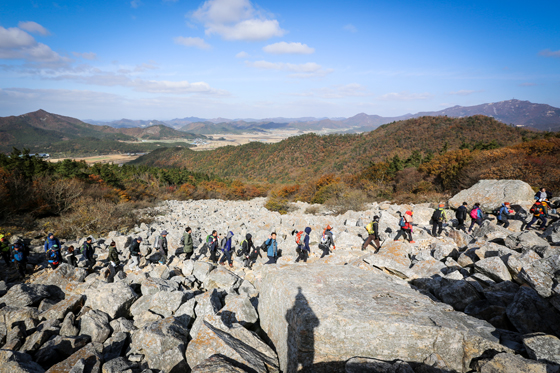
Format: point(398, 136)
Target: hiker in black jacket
point(249, 251)
point(135, 253)
point(461, 215)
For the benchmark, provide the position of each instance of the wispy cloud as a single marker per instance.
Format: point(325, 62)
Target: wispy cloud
point(350, 27)
point(338, 91)
point(135, 3)
point(192, 42)
point(405, 96)
point(303, 70)
point(242, 55)
point(236, 20)
point(549, 53)
point(87, 56)
point(464, 92)
point(34, 28)
point(288, 48)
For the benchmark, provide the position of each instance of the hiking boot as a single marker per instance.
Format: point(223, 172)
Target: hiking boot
point(412, 241)
point(231, 266)
point(223, 263)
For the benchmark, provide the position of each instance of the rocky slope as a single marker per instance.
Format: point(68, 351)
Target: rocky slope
point(482, 302)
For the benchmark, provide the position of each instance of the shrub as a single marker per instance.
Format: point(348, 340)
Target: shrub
point(278, 204)
point(345, 199)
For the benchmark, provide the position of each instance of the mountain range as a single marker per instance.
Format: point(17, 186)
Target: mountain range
point(515, 112)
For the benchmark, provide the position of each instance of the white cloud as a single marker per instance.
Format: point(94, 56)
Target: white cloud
point(135, 3)
point(242, 55)
point(18, 44)
point(350, 27)
point(288, 48)
point(405, 96)
point(339, 91)
point(236, 20)
point(549, 53)
point(34, 28)
point(303, 70)
point(86, 55)
point(192, 42)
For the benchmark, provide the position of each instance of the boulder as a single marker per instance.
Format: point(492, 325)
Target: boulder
point(492, 193)
point(393, 258)
point(458, 294)
point(114, 299)
point(67, 328)
point(115, 346)
point(188, 267)
point(218, 364)
point(62, 276)
point(428, 268)
point(163, 344)
point(72, 303)
point(95, 324)
point(221, 278)
point(58, 349)
point(529, 313)
point(201, 270)
point(117, 365)
point(43, 333)
point(345, 312)
point(151, 286)
point(122, 325)
point(22, 295)
point(90, 355)
point(509, 363)
point(527, 240)
point(240, 309)
point(494, 268)
point(17, 362)
point(363, 365)
point(233, 341)
point(13, 315)
point(542, 347)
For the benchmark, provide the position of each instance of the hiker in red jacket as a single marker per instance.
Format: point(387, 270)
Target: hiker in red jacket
point(405, 223)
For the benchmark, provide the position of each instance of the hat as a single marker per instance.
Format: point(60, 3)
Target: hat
point(163, 233)
point(441, 205)
point(139, 239)
point(329, 227)
point(408, 213)
point(507, 203)
point(113, 243)
point(50, 234)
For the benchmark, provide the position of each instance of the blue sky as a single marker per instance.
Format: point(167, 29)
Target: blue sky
point(165, 59)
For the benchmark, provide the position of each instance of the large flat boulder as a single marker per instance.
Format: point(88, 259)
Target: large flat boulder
point(320, 315)
point(492, 193)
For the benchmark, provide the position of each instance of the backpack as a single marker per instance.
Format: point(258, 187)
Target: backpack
point(223, 243)
point(369, 228)
point(264, 246)
point(536, 210)
point(156, 242)
point(474, 213)
point(437, 216)
point(298, 238)
point(402, 222)
point(18, 255)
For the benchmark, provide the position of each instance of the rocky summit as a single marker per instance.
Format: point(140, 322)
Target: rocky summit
point(486, 301)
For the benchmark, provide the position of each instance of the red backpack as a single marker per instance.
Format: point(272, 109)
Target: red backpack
point(474, 213)
point(298, 238)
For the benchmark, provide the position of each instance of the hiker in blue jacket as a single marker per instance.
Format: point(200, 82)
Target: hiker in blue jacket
point(272, 249)
point(51, 243)
point(227, 250)
point(304, 250)
point(19, 259)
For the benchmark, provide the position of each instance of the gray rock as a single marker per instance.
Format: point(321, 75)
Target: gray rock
point(90, 354)
point(95, 324)
point(68, 328)
point(22, 295)
point(221, 278)
point(72, 303)
point(458, 294)
point(17, 362)
point(44, 332)
point(441, 250)
point(117, 365)
point(114, 346)
point(542, 347)
point(334, 319)
point(163, 344)
point(208, 303)
point(429, 268)
point(59, 348)
point(63, 275)
point(529, 313)
point(233, 341)
point(506, 363)
point(13, 315)
point(240, 309)
point(527, 240)
point(201, 270)
point(218, 364)
point(188, 267)
point(393, 258)
point(363, 365)
point(151, 286)
point(122, 325)
point(114, 299)
point(248, 289)
point(492, 193)
point(494, 268)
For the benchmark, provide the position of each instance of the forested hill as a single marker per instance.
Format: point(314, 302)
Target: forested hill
point(300, 158)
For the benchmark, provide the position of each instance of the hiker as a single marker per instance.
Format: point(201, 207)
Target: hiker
point(70, 256)
point(54, 258)
point(249, 251)
point(212, 243)
point(503, 214)
point(405, 223)
point(538, 214)
point(161, 245)
point(51, 242)
point(303, 248)
point(19, 259)
point(187, 243)
point(461, 215)
point(87, 252)
point(373, 235)
point(327, 239)
point(113, 258)
point(5, 250)
point(272, 249)
point(476, 216)
point(227, 250)
point(541, 195)
point(438, 218)
point(135, 253)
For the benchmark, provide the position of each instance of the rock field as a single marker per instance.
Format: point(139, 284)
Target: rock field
point(482, 302)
